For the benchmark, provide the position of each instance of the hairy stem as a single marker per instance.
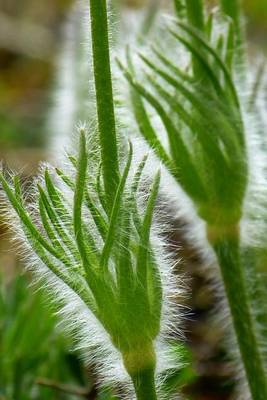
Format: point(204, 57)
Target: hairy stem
point(104, 97)
point(226, 247)
point(256, 287)
point(144, 384)
point(140, 364)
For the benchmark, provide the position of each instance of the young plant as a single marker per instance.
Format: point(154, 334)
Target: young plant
point(90, 240)
point(207, 149)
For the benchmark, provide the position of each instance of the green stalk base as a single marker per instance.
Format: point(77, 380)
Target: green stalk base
point(140, 364)
point(226, 248)
point(144, 384)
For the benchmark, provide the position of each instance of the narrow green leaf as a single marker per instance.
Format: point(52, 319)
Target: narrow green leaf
point(17, 186)
point(230, 46)
point(220, 46)
point(98, 218)
point(99, 190)
point(210, 145)
point(25, 218)
point(134, 194)
point(142, 257)
point(144, 124)
point(77, 205)
point(154, 280)
point(195, 13)
point(155, 292)
point(209, 25)
point(149, 20)
point(221, 122)
point(40, 246)
point(114, 213)
point(209, 73)
point(124, 268)
point(65, 218)
point(257, 84)
point(56, 198)
point(61, 251)
point(185, 172)
point(179, 7)
point(74, 281)
point(172, 67)
point(58, 226)
point(195, 17)
point(216, 57)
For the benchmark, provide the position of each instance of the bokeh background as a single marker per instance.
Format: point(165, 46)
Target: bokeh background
point(35, 360)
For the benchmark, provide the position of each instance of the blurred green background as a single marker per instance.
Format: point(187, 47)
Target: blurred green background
point(35, 360)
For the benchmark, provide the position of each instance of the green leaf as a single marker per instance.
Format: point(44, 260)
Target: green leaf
point(142, 258)
point(59, 227)
point(207, 70)
point(205, 45)
point(53, 238)
point(220, 121)
point(56, 199)
point(96, 214)
point(186, 172)
point(211, 154)
point(115, 213)
point(25, 218)
point(41, 246)
point(77, 205)
point(172, 67)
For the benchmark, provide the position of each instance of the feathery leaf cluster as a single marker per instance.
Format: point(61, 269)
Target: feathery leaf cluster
point(203, 119)
point(105, 257)
point(206, 151)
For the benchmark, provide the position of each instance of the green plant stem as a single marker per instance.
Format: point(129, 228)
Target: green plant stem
point(140, 364)
point(144, 384)
point(226, 247)
point(104, 97)
point(256, 287)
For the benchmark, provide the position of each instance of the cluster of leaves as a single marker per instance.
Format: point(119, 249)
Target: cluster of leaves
point(206, 151)
point(101, 252)
point(204, 120)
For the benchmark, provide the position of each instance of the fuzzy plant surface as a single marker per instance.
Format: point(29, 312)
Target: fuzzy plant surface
point(89, 236)
point(203, 110)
